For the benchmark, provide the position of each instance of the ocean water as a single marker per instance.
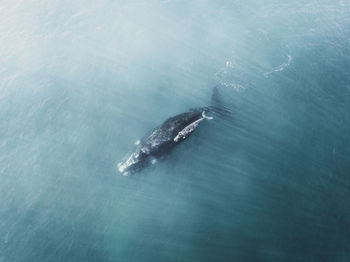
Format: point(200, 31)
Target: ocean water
point(81, 81)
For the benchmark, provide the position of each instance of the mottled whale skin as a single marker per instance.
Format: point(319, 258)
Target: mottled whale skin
point(171, 133)
point(162, 140)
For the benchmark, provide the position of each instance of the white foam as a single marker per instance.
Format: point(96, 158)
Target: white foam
point(229, 64)
point(237, 87)
point(121, 168)
point(206, 117)
point(280, 67)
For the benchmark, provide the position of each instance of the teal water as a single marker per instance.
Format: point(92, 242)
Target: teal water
point(81, 81)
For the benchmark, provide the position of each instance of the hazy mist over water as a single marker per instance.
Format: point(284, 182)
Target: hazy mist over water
point(81, 81)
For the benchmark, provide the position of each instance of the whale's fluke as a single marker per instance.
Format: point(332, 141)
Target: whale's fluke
point(217, 105)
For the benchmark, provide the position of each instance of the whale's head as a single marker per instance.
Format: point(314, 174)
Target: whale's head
point(133, 163)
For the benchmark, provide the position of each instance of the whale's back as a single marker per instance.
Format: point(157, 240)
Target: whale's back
point(162, 137)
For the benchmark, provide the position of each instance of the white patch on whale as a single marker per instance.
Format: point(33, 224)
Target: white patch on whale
point(189, 129)
point(129, 162)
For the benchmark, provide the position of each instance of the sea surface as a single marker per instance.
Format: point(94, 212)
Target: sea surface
point(81, 81)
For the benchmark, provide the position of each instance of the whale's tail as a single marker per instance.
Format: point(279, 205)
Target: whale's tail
point(217, 106)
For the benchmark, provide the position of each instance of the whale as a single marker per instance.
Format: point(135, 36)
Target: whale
point(163, 139)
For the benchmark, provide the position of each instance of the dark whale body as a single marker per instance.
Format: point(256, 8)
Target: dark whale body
point(171, 133)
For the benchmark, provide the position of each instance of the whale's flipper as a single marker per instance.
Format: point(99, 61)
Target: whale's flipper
point(217, 106)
